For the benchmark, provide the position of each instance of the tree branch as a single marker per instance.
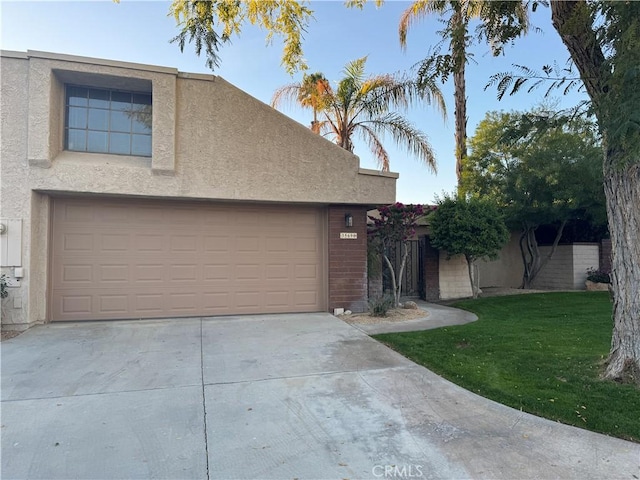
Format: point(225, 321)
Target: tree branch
point(573, 22)
point(554, 246)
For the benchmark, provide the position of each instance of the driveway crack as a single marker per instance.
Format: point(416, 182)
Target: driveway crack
point(204, 402)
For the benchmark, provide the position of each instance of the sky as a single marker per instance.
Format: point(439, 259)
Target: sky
point(140, 31)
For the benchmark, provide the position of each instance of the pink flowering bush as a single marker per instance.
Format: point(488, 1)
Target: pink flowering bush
point(397, 222)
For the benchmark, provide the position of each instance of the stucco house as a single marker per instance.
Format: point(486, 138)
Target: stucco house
point(431, 275)
point(134, 191)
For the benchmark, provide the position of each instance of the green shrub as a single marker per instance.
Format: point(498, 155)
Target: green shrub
point(598, 276)
point(380, 306)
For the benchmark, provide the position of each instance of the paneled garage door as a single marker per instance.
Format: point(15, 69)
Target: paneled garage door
point(126, 258)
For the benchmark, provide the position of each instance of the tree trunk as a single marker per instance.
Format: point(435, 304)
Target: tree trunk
point(315, 125)
point(396, 282)
point(572, 21)
point(530, 255)
point(458, 50)
point(533, 262)
point(473, 279)
point(393, 278)
point(405, 254)
point(622, 189)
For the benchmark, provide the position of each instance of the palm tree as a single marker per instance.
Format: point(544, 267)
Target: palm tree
point(309, 93)
point(501, 21)
point(364, 106)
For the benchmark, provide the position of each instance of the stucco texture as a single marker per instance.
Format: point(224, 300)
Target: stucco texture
point(211, 141)
point(227, 145)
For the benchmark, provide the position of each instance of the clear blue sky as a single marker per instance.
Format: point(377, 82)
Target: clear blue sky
point(140, 32)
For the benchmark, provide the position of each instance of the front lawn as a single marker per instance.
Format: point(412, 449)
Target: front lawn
point(541, 353)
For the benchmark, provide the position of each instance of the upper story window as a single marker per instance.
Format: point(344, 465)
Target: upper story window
point(108, 121)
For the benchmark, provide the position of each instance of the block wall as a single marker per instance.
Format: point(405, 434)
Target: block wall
point(567, 269)
point(585, 256)
point(557, 274)
point(454, 277)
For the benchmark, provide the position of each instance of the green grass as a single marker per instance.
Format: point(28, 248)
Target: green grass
point(542, 353)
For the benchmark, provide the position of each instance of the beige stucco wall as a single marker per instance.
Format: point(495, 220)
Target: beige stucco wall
point(506, 270)
point(15, 197)
point(567, 269)
point(210, 141)
point(454, 277)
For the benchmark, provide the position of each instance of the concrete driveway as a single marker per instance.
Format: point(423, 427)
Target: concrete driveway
point(269, 397)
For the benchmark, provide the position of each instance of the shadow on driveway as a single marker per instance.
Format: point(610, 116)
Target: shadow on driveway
point(269, 397)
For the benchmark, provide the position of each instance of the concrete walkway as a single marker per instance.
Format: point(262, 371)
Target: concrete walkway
point(436, 316)
point(264, 397)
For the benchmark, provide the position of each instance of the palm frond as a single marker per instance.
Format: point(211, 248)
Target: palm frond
point(287, 95)
point(417, 11)
point(367, 107)
point(324, 128)
point(355, 69)
point(330, 126)
point(375, 145)
point(405, 135)
point(399, 93)
point(374, 82)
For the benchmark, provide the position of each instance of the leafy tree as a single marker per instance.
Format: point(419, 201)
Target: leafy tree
point(603, 40)
point(209, 24)
point(500, 22)
point(538, 173)
point(365, 106)
point(395, 224)
point(469, 226)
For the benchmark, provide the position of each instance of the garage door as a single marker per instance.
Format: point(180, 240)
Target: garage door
point(124, 258)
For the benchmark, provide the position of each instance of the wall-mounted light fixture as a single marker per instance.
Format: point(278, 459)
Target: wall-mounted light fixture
point(3, 228)
point(348, 220)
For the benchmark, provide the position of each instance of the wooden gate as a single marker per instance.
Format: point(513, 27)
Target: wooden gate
point(413, 275)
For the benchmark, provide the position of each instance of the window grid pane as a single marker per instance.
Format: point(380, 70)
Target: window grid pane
point(77, 96)
point(120, 101)
point(97, 142)
point(99, 98)
point(120, 121)
point(108, 121)
point(98, 119)
point(77, 117)
point(141, 145)
point(77, 140)
point(120, 143)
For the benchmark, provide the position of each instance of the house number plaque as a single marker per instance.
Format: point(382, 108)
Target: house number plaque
point(349, 235)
